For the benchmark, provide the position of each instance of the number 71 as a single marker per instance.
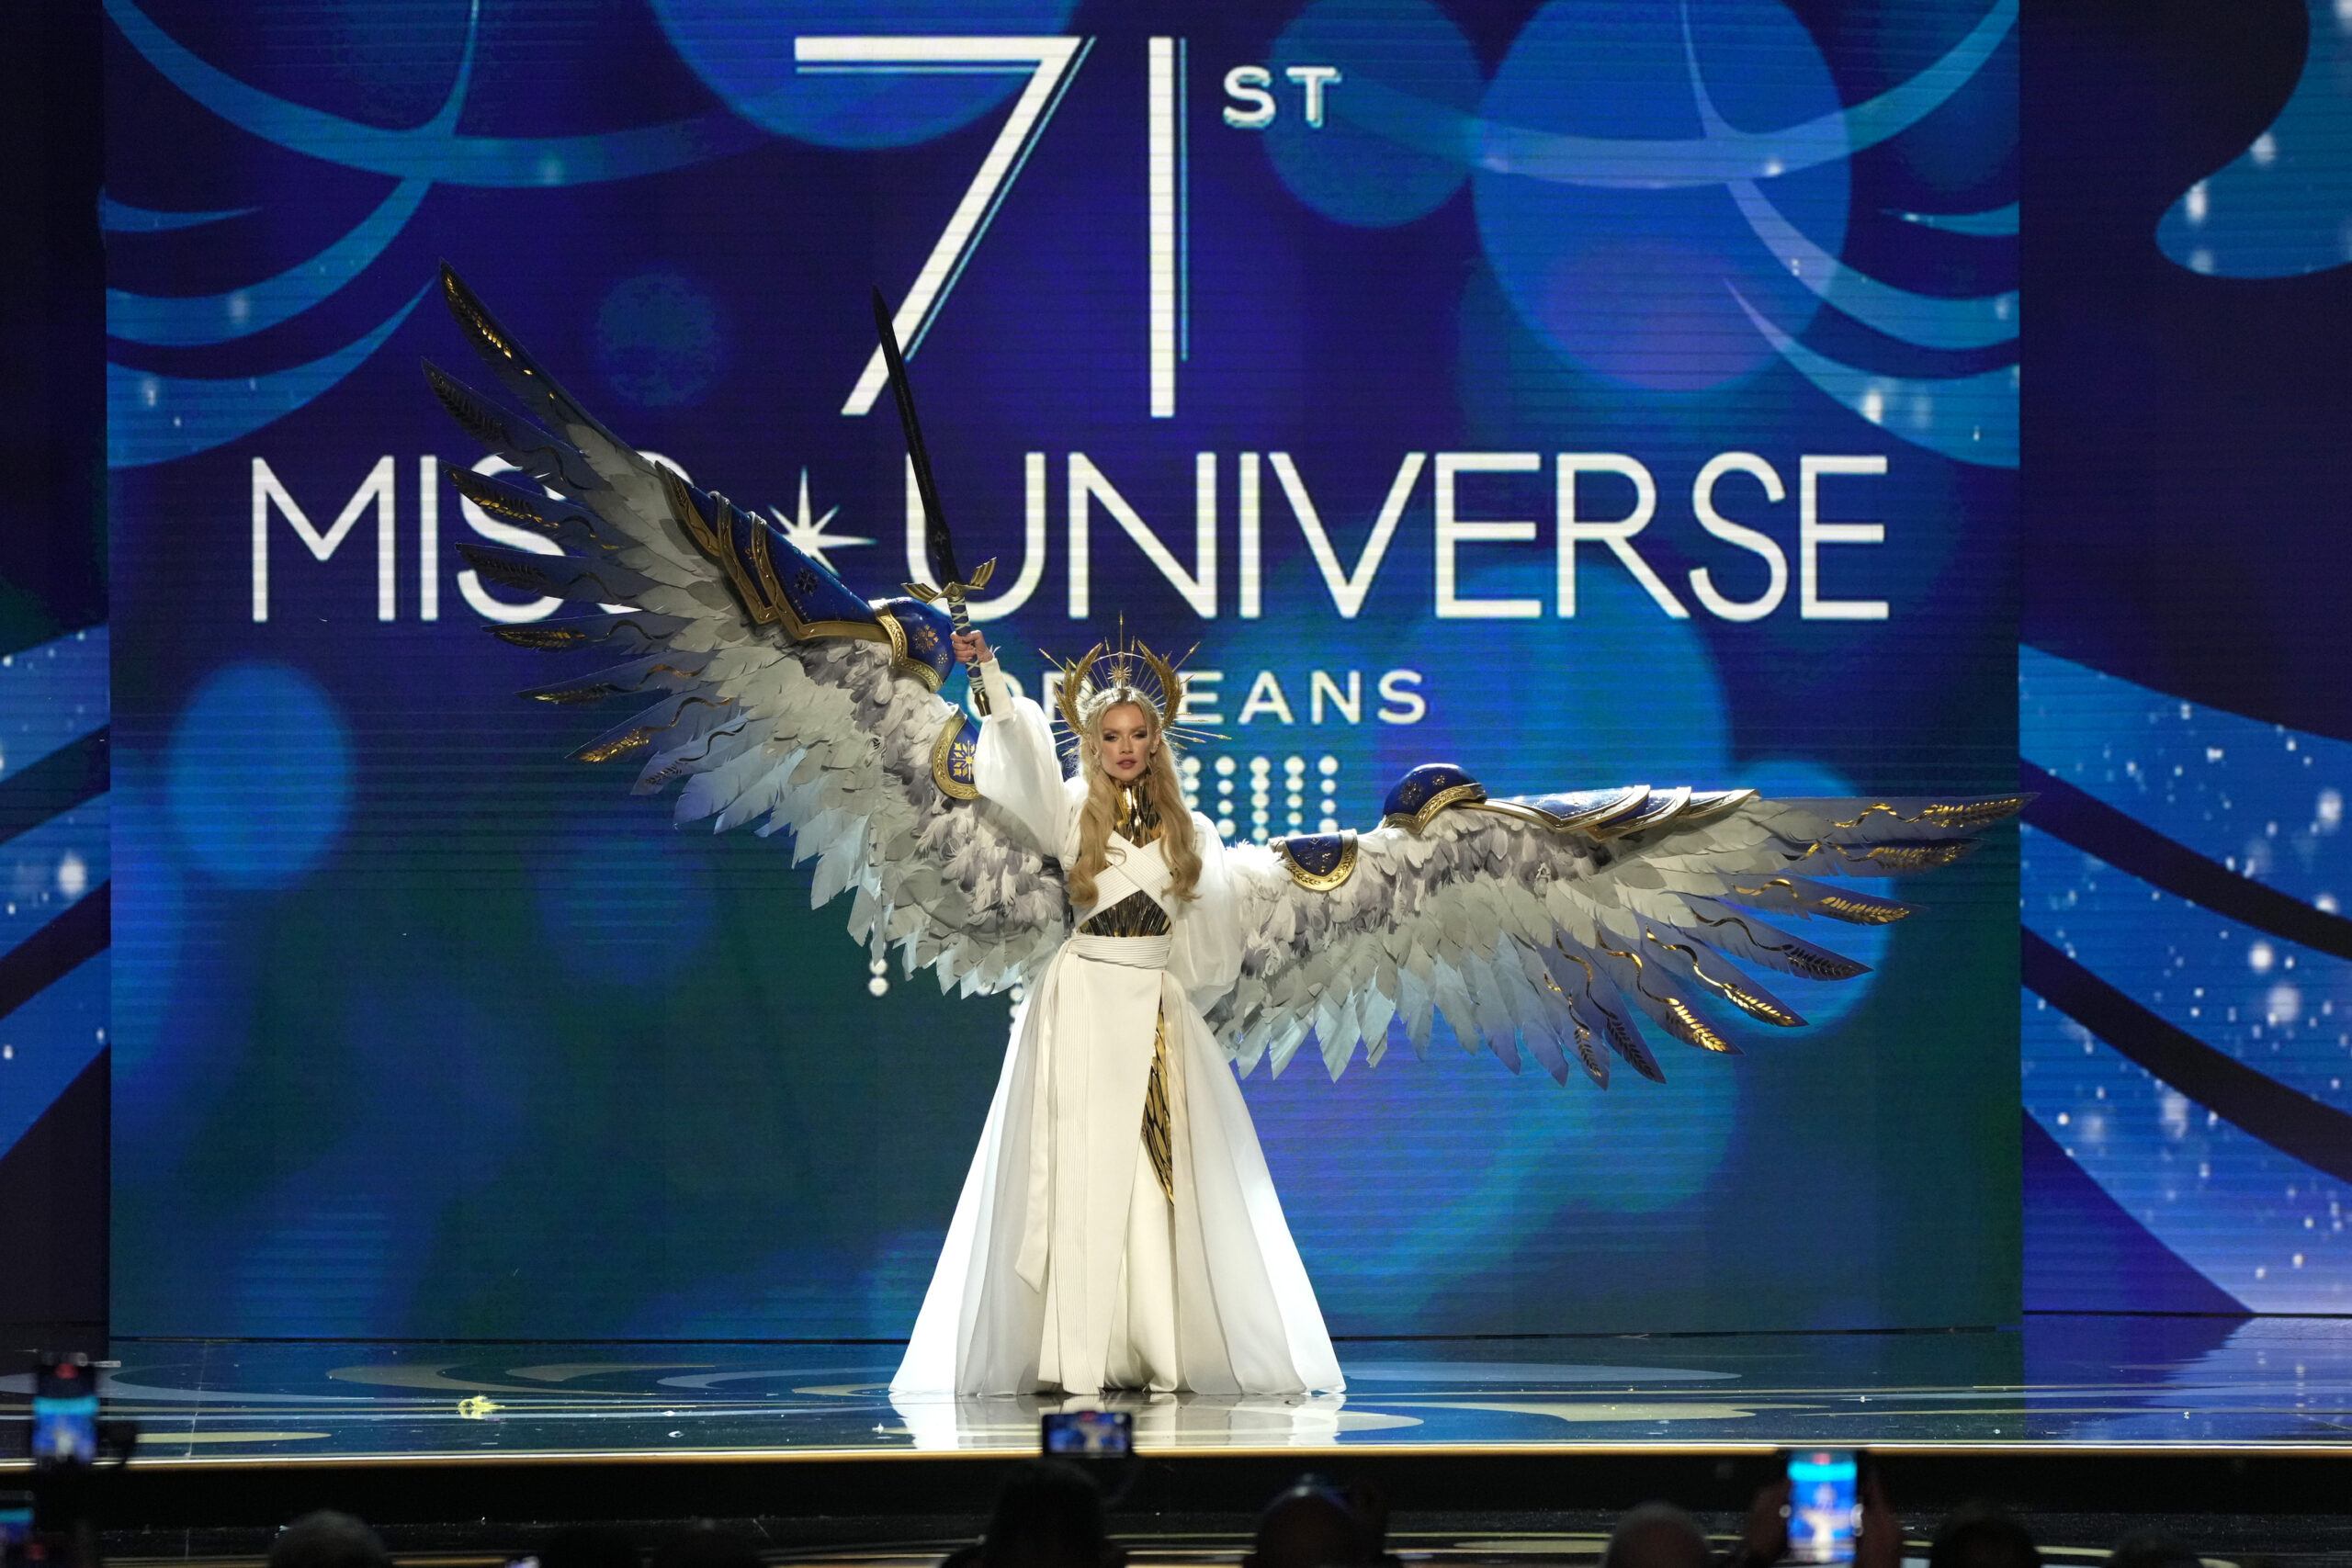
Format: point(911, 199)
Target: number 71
point(1050, 63)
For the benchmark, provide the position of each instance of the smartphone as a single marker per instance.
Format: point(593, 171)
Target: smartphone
point(1825, 1505)
point(65, 1414)
point(1090, 1434)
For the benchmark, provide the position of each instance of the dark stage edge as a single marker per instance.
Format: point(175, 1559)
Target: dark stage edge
point(1503, 1540)
point(2110, 1416)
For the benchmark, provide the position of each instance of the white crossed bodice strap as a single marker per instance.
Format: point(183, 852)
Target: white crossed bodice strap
point(1133, 868)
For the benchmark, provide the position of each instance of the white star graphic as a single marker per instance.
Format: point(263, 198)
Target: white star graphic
point(807, 535)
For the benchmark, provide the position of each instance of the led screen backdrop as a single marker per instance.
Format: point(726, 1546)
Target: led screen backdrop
point(1585, 393)
point(2184, 710)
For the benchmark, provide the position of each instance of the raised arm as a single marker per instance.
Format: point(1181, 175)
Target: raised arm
point(1014, 763)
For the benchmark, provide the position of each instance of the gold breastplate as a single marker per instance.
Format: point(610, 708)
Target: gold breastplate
point(1137, 914)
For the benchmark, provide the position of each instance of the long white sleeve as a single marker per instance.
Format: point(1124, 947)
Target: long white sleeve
point(1015, 765)
point(1205, 957)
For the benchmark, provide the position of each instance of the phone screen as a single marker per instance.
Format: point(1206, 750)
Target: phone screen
point(65, 1416)
point(1090, 1434)
point(1822, 1509)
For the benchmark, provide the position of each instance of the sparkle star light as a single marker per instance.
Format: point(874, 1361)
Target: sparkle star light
point(809, 536)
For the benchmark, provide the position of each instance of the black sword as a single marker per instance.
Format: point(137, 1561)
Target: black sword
point(938, 545)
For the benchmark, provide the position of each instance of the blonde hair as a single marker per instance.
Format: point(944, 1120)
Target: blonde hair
point(1100, 812)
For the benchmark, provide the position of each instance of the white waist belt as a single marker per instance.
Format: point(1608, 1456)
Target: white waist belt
point(1135, 952)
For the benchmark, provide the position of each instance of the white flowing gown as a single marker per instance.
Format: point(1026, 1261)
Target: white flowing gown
point(1065, 1267)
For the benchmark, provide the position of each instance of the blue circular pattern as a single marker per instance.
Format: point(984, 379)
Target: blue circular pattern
point(383, 64)
point(1646, 285)
point(1618, 695)
point(659, 341)
point(259, 775)
point(625, 902)
point(1391, 145)
point(744, 53)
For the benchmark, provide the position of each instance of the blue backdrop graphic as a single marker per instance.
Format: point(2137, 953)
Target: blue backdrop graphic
point(2183, 706)
point(1585, 392)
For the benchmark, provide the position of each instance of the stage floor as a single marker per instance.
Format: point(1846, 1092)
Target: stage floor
point(2090, 1381)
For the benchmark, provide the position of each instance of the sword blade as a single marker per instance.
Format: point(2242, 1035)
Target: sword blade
point(938, 545)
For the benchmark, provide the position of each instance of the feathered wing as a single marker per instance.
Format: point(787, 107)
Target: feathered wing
point(781, 698)
point(1553, 922)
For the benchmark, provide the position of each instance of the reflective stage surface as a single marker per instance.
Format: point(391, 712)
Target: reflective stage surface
point(2086, 1381)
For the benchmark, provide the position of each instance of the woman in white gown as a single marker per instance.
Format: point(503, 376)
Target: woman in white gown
point(1118, 1228)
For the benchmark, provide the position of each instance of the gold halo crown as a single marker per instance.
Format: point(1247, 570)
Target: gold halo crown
point(1107, 677)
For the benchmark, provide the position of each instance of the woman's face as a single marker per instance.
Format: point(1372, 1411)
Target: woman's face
point(1127, 742)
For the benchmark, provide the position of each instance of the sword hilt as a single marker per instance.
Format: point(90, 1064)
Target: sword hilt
point(956, 612)
point(958, 616)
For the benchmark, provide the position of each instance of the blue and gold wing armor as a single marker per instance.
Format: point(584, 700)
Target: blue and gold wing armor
point(1551, 923)
point(780, 698)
